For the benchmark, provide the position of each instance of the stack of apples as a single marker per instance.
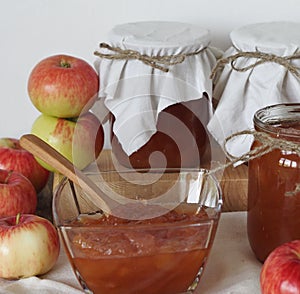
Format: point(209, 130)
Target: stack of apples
point(63, 88)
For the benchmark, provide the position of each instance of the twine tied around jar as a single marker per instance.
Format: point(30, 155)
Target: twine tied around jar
point(268, 144)
point(261, 59)
point(158, 62)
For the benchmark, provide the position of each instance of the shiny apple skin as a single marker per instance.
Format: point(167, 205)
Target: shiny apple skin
point(17, 194)
point(79, 140)
point(63, 86)
point(28, 248)
point(14, 157)
point(281, 271)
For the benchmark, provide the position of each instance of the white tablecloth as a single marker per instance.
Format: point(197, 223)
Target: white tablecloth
point(231, 269)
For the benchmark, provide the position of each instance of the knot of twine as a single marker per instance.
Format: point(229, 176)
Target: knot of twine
point(261, 58)
point(268, 144)
point(158, 62)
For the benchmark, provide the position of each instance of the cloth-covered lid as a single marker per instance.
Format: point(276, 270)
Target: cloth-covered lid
point(160, 36)
point(279, 37)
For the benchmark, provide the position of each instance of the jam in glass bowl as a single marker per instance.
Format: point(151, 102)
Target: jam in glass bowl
point(156, 238)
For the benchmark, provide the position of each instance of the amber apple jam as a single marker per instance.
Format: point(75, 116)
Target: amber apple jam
point(165, 254)
point(273, 198)
point(181, 139)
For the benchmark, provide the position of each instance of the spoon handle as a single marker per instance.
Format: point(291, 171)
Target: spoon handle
point(60, 163)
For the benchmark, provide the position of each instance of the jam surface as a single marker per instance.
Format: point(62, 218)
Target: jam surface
point(273, 203)
point(159, 255)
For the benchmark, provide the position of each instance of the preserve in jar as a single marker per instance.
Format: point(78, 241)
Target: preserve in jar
point(189, 147)
point(273, 216)
point(155, 85)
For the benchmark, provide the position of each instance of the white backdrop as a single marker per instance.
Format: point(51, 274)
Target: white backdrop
point(31, 30)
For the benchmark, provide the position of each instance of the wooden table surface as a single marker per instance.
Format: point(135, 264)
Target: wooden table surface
point(234, 182)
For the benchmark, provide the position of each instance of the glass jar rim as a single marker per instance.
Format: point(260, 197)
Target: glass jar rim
point(277, 118)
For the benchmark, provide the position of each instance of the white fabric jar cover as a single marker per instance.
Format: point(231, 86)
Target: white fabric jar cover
point(135, 92)
point(247, 83)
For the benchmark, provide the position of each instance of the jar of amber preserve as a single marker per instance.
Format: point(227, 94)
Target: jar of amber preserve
point(155, 86)
point(273, 196)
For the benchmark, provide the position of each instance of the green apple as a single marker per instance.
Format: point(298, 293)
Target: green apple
point(80, 140)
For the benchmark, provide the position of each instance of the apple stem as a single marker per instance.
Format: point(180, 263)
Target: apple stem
point(18, 218)
point(296, 253)
point(8, 176)
point(65, 64)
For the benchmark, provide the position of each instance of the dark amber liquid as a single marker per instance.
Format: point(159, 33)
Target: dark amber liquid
point(171, 273)
point(183, 142)
point(144, 261)
point(273, 212)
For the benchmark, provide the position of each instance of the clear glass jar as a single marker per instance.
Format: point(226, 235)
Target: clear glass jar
point(273, 203)
point(158, 112)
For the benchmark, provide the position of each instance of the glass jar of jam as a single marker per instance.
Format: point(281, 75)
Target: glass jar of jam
point(155, 85)
point(273, 201)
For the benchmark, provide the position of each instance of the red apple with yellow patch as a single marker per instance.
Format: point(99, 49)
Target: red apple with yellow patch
point(63, 86)
point(29, 246)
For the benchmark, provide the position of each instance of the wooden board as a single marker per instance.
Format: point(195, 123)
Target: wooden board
point(234, 182)
point(234, 185)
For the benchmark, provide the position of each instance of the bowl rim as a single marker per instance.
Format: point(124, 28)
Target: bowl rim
point(217, 208)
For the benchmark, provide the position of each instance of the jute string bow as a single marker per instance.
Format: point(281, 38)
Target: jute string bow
point(261, 59)
point(158, 62)
point(268, 144)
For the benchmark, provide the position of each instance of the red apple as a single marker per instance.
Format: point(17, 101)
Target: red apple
point(29, 246)
point(63, 86)
point(17, 194)
point(14, 157)
point(280, 273)
point(79, 140)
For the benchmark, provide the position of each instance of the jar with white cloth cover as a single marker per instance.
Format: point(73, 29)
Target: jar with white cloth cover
point(156, 91)
point(261, 68)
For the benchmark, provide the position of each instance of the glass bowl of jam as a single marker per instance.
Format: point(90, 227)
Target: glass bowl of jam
point(156, 238)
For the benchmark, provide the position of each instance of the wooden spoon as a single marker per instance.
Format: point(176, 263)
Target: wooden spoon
point(48, 154)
